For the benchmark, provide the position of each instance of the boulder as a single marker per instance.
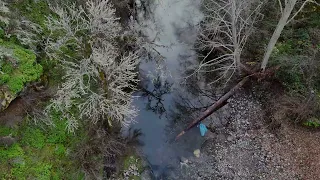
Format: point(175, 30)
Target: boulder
point(5, 98)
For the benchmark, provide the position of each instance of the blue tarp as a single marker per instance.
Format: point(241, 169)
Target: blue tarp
point(203, 129)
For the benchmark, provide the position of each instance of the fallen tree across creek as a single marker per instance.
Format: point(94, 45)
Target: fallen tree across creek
point(223, 100)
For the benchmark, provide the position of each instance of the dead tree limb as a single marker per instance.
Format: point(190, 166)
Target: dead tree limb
point(220, 103)
point(223, 100)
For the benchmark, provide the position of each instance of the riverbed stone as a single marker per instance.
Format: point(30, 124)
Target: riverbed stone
point(183, 159)
point(7, 141)
point(196, 153)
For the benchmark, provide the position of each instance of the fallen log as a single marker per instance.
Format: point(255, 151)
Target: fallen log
point(216, 106)
point(260, 75)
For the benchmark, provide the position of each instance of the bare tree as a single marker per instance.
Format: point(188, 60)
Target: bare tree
point(286, 12)
point(226, 28)
point(98, 81)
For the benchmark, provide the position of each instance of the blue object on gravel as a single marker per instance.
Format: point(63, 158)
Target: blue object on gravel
point(203, 129)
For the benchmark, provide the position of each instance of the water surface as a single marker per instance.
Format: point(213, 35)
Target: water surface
point(172, 25)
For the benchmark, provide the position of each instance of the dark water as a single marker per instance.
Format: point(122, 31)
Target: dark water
point(158, 122)
point(173, 26)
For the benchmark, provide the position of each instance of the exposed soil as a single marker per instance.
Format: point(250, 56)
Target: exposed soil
point(29, 101)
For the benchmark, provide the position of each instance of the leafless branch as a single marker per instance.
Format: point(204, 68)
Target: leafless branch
point(98, 84)
point(226, 28)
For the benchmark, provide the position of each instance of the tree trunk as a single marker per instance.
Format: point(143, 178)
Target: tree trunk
point(220, 103)
point(235, 35)
point(282, 22)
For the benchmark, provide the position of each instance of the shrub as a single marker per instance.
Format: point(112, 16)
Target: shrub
point(60, 150)
point(43, 171)
point(4, 79)
point(33, 137)
point(35, 11)
point(7, 68)
point(37, 155)
point(312, 122)
point(16, 84)
point(58, 133)
point(11, 152)
point(5, 131)
point(24, 69)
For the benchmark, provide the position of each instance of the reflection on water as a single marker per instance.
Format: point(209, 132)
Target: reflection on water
point(155, 95)
point(172, 29)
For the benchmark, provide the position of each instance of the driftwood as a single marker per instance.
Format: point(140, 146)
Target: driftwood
point(223, 100)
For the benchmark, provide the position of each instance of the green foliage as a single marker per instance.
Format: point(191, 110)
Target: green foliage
point(15, 84)
point(60, 150)
point(33, 137)
point(1, 33)
point(41, 152)
point(57, 134)
point(35, 11)
point(293, 42)
point(7, 68)
point(14, 40)
point(10, 152)
point(312, 122)
point(5, 131)
point(43, 171)
point(23, 71)
point(132, 160)
point(290, 73)
point(290, 54)
point(311, 13)
point(4, 78)
point(52, 72)
point(297, 53)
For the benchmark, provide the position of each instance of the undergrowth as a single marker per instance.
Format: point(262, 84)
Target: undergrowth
point(297, 53)
point(18, 66)
point(40, 153)
point(36, 11)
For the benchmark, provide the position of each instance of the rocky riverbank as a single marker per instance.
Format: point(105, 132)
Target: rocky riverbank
point(241, 145)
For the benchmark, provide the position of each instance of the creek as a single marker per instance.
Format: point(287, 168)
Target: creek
point(172, 26)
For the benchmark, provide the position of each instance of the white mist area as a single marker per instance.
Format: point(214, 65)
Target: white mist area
point(172, 28)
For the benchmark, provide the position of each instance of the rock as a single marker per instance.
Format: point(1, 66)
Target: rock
point(229, 138)
point(5, 98)
point(183, 160)
point(196, 153)
point(18, 161)
point(7, 141)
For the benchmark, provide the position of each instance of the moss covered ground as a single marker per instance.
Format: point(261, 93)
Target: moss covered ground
point(18, 66)
point(40, 153)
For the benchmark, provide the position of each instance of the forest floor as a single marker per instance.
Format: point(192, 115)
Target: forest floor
point(244, 146)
